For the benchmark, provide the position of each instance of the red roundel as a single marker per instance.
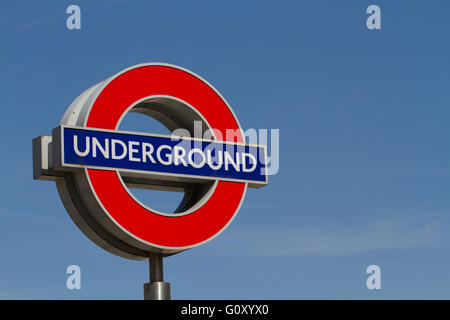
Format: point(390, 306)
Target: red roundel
point(163, 231)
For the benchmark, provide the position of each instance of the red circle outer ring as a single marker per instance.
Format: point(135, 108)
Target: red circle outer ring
point(165, 232)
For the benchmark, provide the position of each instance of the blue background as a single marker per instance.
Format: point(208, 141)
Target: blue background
point(364, 128)
point(225, 171)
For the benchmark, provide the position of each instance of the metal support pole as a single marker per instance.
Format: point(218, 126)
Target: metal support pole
point(156, 289)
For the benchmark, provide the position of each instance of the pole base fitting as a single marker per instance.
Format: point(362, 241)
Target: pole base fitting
point(157, 290)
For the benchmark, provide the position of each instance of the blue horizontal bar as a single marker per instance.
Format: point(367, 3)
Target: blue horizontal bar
point(163, 154)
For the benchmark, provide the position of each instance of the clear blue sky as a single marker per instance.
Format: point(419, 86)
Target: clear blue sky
point(363, 117)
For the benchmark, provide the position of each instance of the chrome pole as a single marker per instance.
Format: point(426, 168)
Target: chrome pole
point(156, 289)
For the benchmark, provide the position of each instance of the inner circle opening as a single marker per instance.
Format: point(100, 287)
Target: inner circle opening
point(166, 114)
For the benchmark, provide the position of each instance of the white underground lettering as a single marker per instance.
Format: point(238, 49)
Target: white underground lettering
point(179, 155)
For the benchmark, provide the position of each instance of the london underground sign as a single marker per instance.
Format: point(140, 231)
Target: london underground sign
point(94, 164)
